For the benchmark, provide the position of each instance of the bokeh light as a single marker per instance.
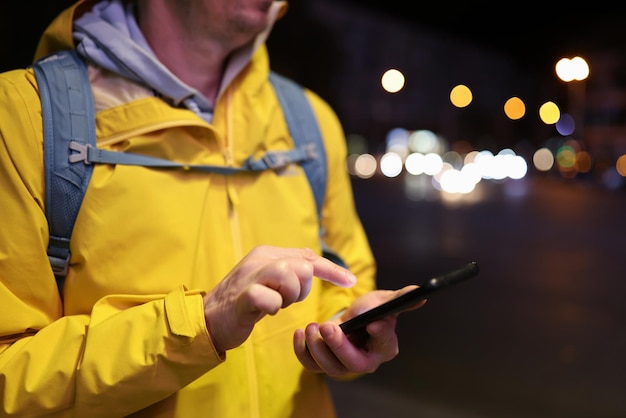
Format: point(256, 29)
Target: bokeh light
point(357, 144)
point(461, 96)
point(570, 69)
point(392, 80)
point(415, 163)
point(565, 125)
point(424, 141)
point(549, 113)
point(543, 159)
point(435, 166)
point(391, 164)
point(620, 165)
point(514, 108)
point(365, 166)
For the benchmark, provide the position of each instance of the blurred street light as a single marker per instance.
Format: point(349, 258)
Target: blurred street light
point(574, 72)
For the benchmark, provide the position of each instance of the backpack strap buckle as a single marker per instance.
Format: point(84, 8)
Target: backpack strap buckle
point(82, 154)
point(276, 160)
point(59, 255)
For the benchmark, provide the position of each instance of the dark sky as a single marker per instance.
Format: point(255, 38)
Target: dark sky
point(531, 32)
point(21, 25)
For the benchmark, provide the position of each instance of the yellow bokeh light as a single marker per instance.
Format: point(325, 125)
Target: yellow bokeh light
point(514, 108)
point(549, 113)
point(461, 96)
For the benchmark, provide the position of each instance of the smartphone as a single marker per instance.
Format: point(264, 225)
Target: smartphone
point(398, 304)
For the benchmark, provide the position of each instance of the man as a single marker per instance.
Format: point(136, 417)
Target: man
point(189, 294)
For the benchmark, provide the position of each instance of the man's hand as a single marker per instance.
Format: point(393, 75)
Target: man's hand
point(324, 348)
point(264, 281)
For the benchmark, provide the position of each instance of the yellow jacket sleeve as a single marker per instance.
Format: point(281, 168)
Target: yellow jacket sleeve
point(76, 365)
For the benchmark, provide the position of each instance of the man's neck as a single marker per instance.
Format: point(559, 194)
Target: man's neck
point(198, 61)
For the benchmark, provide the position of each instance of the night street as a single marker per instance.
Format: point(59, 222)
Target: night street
point(538, 333)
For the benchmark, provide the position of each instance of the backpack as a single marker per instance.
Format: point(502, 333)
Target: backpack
point(70, 148)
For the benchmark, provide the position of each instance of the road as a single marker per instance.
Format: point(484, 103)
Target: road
point(540, 332)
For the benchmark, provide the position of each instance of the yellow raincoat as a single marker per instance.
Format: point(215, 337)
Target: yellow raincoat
point(129, 336)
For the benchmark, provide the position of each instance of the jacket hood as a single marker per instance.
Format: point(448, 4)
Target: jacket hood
point(58, 35)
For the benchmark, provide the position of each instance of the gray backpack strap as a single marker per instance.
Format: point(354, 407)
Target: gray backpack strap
point(68, 116)
point(271, 160)
point(305, 133)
